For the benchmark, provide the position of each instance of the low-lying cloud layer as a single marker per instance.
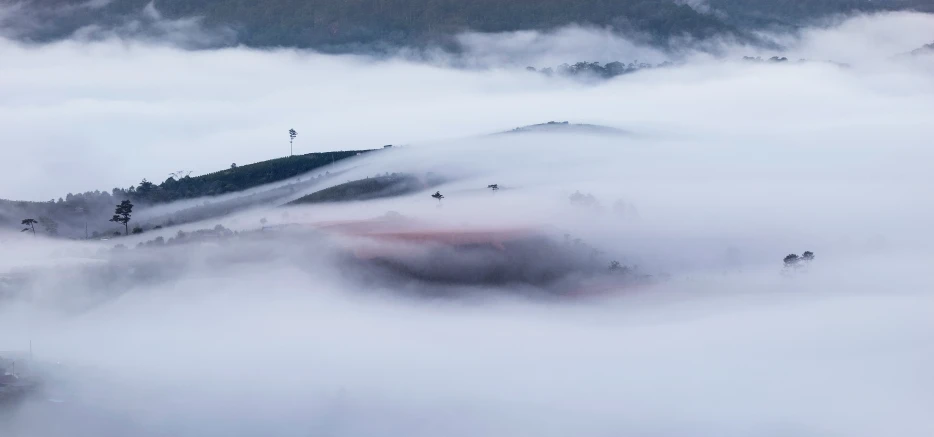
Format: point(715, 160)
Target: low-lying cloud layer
point(723, 167)
point(125, 110)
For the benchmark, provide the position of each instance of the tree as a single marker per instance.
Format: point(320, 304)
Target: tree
point(792, 260)
point(122, 215)
point(292, 135)
point(32, 225)
point(137, 229)
point(493, 187)
point(807, 256)
point(234, 165)
point(262, 221)
point(438, 196)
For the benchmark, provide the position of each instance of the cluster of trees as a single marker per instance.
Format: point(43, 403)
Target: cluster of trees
point(218, 232)
point(793, 261)
point(614, 69)
point(122, 214)
point(773, 59)
point(595, 69)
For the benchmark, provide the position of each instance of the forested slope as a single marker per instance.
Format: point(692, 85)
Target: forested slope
point(344, 25)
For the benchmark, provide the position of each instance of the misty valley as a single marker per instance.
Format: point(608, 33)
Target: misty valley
point(481, 218)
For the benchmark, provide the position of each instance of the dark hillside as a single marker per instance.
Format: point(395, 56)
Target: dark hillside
point(235, 178)
point(355, 25)
point(339, 25)
point(71, 215)
point(371, 188)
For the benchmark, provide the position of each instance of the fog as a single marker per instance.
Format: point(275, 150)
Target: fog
point(123, 109)
point(722, 168)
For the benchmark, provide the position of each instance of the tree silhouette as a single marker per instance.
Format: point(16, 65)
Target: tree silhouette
point(807, 256)
point(32, 225)
point(292, 135)
point(792, 260)
point(122, 215)
point(493, 187)
point(438, 196)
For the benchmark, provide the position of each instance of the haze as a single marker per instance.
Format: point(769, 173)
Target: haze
point(726, 166)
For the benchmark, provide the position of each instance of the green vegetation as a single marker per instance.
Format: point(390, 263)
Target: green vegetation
point(231, 180)
point(370, 188)
point(31, 223)
point(349, 25)
point(355, 25)
point(339, 24)
point(122, 215)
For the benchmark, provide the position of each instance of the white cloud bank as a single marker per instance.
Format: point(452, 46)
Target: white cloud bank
point(753, 160)
point(93, 115)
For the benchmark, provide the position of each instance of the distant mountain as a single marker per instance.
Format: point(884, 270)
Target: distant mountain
point(342, 25)
point(349, 25)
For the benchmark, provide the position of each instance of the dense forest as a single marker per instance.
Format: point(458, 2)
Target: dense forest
point(345, 25)
point(616, 68)
point(73, 214)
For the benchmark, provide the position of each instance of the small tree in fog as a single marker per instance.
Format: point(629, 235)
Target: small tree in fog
point(122, 215)
point(262, 222)
point(31, 223)
point(438, 196)
point(292, 135)
point(791, 261)
point(807, 256)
